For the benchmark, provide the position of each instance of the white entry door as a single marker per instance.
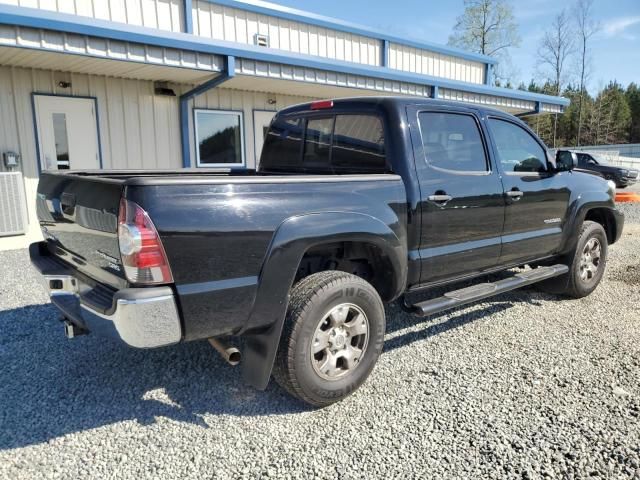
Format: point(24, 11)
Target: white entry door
point(67, 133)
point(261, 121)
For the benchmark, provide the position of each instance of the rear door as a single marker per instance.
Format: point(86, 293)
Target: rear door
point(536, 199)
point(462, 202)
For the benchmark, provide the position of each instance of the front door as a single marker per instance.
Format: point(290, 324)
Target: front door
point(462, 203)
point(261, 121)
point(67, 133)
point(536, 199)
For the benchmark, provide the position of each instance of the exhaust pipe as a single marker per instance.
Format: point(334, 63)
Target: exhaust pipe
point(230, 354)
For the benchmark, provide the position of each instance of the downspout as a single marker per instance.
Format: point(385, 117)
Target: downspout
point(228, 73)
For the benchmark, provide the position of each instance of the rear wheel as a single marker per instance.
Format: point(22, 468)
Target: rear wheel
point(586, 264)
point(332, 338)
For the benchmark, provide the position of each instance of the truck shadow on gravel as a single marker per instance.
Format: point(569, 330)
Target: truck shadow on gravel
point(51, 386)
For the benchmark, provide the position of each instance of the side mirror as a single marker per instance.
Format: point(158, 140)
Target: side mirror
point(566, 161)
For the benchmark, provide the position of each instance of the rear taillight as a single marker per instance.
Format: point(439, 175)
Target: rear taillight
point(143, 255)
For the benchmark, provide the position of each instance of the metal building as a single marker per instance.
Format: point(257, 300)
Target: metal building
point(119, 84)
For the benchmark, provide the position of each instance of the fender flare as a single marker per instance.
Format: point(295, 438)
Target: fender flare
point(578, 210)
point(291, 240)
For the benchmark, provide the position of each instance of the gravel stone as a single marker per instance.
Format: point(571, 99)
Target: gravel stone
point(527, 385)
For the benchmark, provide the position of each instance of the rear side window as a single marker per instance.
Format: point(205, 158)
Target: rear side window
point(452, 141)
point(358, 141)
point(336, 144)
point(518, 151)
point(282, 144)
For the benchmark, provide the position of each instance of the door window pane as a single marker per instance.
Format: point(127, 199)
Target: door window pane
point(282, 144)
point(219, 137)
point(61, 139)
point(358, 144)
point(452, 141)
point(518, 151)
point(317, 144)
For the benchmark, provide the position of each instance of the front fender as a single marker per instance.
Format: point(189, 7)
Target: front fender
point(578, 209)
point(291, 240)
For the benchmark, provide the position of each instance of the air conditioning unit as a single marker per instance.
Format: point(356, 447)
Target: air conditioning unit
point(13, 204)
point(261, 40)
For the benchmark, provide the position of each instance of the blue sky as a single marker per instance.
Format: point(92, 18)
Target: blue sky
point(616, 48)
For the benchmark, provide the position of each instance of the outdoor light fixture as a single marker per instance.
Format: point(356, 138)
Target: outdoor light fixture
point(11, 159)
point(272, 101)
point(63, 84)
point(162, 88)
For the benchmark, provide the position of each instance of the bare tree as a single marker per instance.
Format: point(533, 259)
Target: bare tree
point(487, 27)
point(587, 27)
point(554, 50)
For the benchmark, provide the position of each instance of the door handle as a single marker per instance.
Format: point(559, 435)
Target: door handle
point(440, 199)
point(515, 194)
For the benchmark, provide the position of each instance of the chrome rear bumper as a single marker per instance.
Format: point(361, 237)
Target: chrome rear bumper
point(140, 317)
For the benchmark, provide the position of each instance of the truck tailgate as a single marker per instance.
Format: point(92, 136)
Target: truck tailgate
point(79, 220)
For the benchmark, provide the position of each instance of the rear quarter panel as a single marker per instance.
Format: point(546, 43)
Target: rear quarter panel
point(217, 235)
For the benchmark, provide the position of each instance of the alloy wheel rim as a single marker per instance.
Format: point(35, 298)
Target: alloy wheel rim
point(339, 341)
point(590, 260)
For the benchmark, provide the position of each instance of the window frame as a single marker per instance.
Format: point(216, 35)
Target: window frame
point(237, 113)
point(544, 148)
point(487, 158)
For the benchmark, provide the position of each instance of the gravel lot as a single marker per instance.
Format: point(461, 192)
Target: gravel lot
point(526, 386)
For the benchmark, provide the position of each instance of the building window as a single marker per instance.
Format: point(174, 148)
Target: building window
point(219, 138)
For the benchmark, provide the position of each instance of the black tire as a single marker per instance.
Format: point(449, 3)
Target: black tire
point(573, 284)
point(311, 300)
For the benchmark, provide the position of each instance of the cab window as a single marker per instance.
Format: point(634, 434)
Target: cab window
point(452, 141)
point(518, 151)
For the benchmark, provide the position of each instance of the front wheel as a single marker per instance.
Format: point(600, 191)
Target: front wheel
point(332, 337)
point(586, 264)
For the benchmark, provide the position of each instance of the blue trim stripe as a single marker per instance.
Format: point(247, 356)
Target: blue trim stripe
point(488, 75)
point(35, 18)
point(188, 16)
point(385, 53)
point(266, 8)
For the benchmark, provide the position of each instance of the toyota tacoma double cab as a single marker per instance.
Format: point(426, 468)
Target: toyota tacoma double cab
point(356, 203)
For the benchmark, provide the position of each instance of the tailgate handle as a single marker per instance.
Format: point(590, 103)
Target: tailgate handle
point(68, 202)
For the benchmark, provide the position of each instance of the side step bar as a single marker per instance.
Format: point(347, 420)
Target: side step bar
point(481, 291)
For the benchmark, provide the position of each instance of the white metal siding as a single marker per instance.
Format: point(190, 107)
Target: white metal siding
point(549, 108)
point(321, 77)
point(50, 41)
point(425, 62)
point(161, 14)
point(235, 25)
point(503, 103)
point(137, 128)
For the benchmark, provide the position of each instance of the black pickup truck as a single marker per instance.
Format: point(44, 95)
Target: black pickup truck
point(621, 176)
point(356, 203)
